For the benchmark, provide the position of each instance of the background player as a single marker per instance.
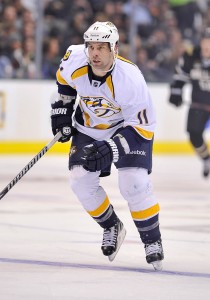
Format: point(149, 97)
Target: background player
point(194, 67)
point(113, 122)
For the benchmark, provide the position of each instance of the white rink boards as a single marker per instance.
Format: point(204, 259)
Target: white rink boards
point(50, 247)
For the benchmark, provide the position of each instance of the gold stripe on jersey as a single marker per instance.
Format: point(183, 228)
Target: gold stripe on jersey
point(144, 133)
point(145, 214)
point(87, 119)
point(60, 78)
point(102, 126)
point(110, 85)
point(101, 209)
point(125, 60)
point(79, 72)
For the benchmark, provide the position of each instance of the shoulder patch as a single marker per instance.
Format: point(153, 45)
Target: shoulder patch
point(67, 54)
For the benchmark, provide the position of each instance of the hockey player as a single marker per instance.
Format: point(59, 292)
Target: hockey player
point(194, 67)
point(114, 122)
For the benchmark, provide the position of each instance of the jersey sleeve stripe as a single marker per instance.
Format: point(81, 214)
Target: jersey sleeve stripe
point(144, 133)
point(80, 72)
point(125, 60)
point(60, 79)
point(145, 214)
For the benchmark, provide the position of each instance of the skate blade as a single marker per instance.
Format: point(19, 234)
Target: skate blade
point(157, 265)
point(119, 243)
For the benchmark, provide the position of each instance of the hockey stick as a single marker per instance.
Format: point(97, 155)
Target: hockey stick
point(30, 165)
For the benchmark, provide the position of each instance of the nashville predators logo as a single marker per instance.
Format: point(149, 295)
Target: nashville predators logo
point(101, 107)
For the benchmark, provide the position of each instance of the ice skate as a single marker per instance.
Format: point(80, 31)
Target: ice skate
point(154, 254)
point(113, 238)
point(206, 167)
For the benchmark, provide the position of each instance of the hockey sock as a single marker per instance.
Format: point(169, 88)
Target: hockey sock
point(148, 229)
point(104, 215)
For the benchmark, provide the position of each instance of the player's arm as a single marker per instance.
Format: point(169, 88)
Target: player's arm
point(180, 78)
point(63, 108)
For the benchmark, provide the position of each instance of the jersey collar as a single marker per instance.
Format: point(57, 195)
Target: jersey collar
point(92, 76)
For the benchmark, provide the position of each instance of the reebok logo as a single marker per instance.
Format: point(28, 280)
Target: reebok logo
point(59, 111)
point(138, 152)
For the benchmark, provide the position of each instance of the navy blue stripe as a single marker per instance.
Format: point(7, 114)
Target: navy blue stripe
point(103, 267)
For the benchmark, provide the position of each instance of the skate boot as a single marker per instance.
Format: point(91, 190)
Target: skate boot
point(206, 167)
point(154, 254)
point(112, 240)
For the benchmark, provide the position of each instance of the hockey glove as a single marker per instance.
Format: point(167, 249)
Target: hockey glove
point(100, 154)
point(176, 97)
point(61, 120)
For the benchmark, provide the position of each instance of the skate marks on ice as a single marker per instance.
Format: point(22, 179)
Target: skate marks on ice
point(101, 267)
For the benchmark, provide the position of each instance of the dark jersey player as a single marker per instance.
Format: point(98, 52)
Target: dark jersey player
point(194, 67)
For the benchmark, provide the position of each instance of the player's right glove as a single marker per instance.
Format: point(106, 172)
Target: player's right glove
point(61, 120)
point(100, 154)
point(176, 97)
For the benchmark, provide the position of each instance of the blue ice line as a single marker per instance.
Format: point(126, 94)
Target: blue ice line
point(102, 267)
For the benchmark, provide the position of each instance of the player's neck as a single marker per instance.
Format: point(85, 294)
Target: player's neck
point(101, 73)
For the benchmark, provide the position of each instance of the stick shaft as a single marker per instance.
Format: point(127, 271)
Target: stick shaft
point(29, 165)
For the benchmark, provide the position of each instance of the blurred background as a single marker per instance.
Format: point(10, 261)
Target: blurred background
point(35, 34)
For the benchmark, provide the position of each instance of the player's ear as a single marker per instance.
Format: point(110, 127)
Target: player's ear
point(116, 49)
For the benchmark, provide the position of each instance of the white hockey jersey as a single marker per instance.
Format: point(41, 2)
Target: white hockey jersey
point(121, 100)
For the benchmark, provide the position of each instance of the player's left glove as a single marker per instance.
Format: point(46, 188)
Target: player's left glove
point(61, 120)
point(100, 154)
point(176, 97)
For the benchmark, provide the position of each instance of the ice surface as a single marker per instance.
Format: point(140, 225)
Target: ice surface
point(50, 247)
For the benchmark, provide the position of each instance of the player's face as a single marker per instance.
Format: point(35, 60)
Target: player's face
point(100, 56)
point(205, 47)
